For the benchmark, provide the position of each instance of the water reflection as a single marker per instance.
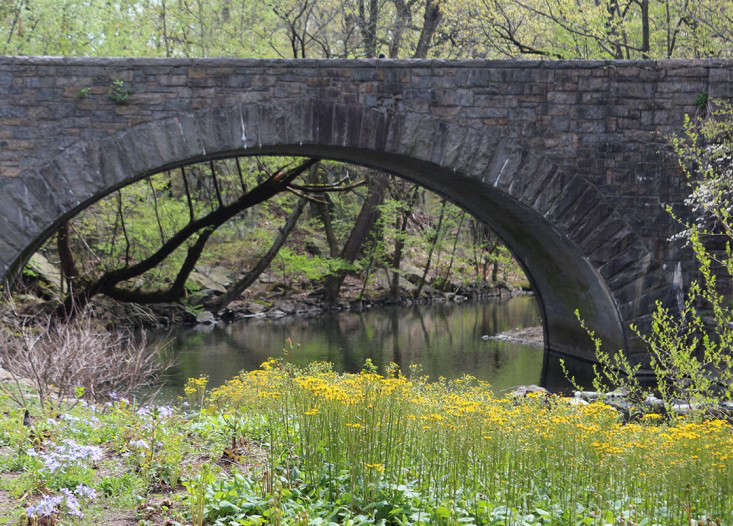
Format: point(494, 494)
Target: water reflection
point(444, 340)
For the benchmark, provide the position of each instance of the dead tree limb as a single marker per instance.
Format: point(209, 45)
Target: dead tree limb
point(108, 282)
point(240, 286)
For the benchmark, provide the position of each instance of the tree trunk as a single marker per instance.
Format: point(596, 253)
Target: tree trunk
point(434, 242)
point(453, 252)
point(400, 244)
point(431, 20)
point(108, 283)
point(66, 258)
point(240, 286)
point(323, 210)
point(402, 21)
point(367, 20)
point(645, 29)
point(366, 219)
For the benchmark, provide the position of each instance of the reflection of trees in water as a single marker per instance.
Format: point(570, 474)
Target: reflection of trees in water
point(444, 339)
point(426, 335)
point(394, 319)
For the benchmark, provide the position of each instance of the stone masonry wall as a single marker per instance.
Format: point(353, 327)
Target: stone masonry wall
point(601, 119)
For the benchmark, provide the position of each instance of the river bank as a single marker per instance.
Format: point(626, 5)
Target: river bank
point(306, 304)
point(267, 299)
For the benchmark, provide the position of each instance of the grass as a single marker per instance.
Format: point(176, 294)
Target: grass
point(282, 445)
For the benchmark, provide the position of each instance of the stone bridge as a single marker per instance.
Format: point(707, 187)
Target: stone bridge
point(564, 160)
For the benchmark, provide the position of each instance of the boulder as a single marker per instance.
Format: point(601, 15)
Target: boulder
point(205, 318)
point(48, 272)
point(213, 278)
point(524, 390)
point(255, 308)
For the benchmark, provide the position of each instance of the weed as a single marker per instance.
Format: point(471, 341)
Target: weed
point(119, 92)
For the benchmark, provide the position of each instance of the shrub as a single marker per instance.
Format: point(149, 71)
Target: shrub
point(66, 361)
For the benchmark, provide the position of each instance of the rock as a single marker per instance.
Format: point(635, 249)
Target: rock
point(485, 337)
point(681, 409)
point(618, 393)
point(288, 307)
point(654, 402)
point(356, 306)
point(276, 314)
point(524, 390)
point(307, 311)
point(48, 272)
point(205, 318)
point(411, 273)
point(525, 336)
point(255, 308)
point(382, 282)
point(587, 395)
point(214, 278)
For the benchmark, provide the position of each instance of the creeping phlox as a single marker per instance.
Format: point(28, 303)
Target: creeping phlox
point(66, 454)
point(67, 501)
point(159, 411)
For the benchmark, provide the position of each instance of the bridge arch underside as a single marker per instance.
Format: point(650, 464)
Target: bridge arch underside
point(576, 251)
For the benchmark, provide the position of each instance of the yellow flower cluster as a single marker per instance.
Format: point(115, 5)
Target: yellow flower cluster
point(387, 424)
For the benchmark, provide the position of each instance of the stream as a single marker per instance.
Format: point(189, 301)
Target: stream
point(442, 339)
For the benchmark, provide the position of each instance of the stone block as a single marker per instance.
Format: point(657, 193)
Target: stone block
point(563, 97)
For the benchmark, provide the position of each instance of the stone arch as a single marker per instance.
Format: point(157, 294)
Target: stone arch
point(576, 250)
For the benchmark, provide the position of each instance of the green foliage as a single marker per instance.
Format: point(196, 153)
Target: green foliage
point(196, 487)
point(613, 371)
point(702, 100)
point(314, 447)
point(590, 30)
point(119, 92)
point(339, 29)
point(295, 266)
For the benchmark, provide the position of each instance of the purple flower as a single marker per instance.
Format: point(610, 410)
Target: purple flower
point(69, 453)
point(165, 411)
point(161, 411)
point(45, 507)
point(85, 492)
point(49, 505)
point(72, 504)
point(139, 444)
